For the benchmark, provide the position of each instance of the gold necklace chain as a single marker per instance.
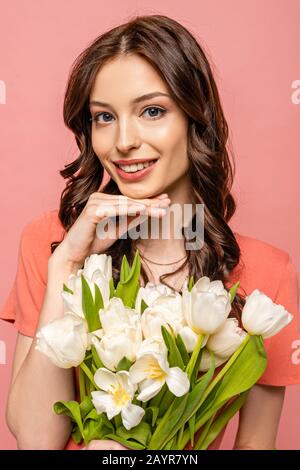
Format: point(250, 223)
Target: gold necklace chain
point(161, 264)
point(174, 287)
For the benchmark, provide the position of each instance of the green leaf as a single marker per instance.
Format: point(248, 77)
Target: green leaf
point(171, 444)
point(82, 389)
point(151, 414)
point(214, 429)
point(76, 435)
point(193, 364)
point(67, 289)
point(166, 402)
point(174, 356)
point(125, 270)
point(191, 283)
point(155, 401)
point(71, 409)
point(179, 413)
point(239, 374)
point(88, 306)
point(111, 288)
point(192, 422)
point(96, 359)
point(143, 306)
point(182, 349)
point(124, 364)
point(89, 374)
point(164, 430)
point(97, 427)
point(233, 291)
point(140, 433)
point(128, 285)
point(86, 406)
point(98, 304)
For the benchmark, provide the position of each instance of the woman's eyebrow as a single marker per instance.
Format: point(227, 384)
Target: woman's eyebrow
point(148, 96)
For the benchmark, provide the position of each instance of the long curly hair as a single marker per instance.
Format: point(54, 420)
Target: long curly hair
point(180, 60)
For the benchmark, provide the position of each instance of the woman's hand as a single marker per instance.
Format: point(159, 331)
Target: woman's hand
point(104, 445)
point(81, 240)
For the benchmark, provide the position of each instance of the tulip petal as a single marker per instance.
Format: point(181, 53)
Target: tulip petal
point(149, 388)
point(131, 415)
point(206, 361)
point(189, 337)
point(105, 379)
point(177, 381)
point(104, 403)
point(138, 371)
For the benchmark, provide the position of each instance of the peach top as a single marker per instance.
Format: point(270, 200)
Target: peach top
point(261, 266)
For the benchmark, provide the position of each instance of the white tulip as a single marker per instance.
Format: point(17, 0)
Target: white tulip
point(150, 293)
point(152, 371)
point(117, 344)
point(225, 341)
point(206, 306)
point(95, 262)
point(261, 316)
point(115, 316)
point(190, 338)
point(153, 345)
point(64, 341)
point(206, 360)
point(116, 396)
point(165, 310)
point(73, 302)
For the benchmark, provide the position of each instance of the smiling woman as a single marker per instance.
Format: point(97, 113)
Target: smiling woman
point(141, 126)
point(142, 103)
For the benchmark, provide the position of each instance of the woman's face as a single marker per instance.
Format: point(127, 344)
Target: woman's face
point(128, 129)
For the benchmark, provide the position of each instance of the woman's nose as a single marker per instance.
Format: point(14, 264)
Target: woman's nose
point(128, 136)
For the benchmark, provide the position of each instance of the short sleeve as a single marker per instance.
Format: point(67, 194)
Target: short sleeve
point(283, 349)
point(25, 299)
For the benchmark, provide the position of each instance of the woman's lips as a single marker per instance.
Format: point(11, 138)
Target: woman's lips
point(137, 175)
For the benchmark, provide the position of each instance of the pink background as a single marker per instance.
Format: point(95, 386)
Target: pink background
point(255, 49)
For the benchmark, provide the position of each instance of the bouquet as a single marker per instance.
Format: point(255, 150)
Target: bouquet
point(149, 358)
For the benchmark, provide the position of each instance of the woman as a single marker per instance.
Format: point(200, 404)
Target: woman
point(181, 127)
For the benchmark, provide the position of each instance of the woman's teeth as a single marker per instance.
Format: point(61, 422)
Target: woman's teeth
point(136, 167)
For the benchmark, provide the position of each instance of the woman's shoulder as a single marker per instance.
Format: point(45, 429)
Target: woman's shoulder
point(43, 228)
point(36, 238)
point(259, 251)
point(262, 264)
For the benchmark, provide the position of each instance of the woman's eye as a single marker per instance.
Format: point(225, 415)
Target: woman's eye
point(105, 115)
point(152, 113)
point(155, 108)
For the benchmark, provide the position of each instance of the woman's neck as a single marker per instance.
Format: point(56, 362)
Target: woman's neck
point(169, 243)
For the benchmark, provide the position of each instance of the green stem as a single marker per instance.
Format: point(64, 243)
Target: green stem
point(223, 371)
point(82, 389)
point(214, 382)
point(88, 373)
point(192, 362)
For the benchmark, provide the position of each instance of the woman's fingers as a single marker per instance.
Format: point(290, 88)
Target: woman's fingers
point(104, 445)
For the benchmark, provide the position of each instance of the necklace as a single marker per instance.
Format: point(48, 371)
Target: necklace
point(162, 264)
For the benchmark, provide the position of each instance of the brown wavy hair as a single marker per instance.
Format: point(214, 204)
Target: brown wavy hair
point(180, 60)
